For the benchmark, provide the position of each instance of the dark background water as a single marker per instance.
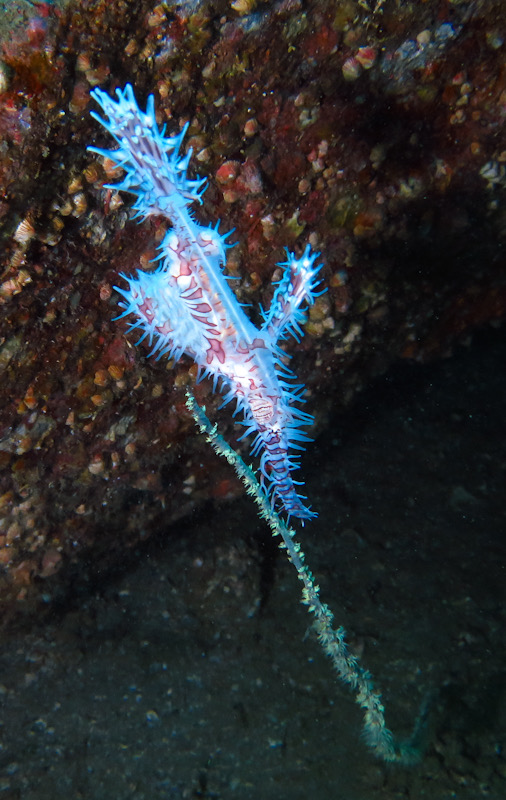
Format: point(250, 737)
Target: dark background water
point(193, 671)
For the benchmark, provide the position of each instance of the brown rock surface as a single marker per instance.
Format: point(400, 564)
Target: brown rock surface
point(375, 134)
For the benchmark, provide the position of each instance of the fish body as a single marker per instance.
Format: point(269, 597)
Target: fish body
point(186, 305)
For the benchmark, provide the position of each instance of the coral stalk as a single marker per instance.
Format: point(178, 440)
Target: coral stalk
point(333, 640)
